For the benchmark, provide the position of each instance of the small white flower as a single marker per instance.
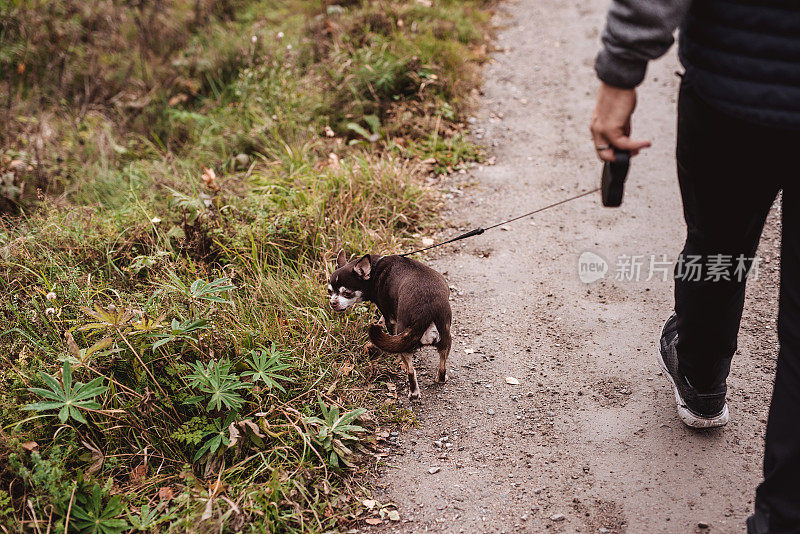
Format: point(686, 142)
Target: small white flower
point(51, 296)
point(155, 220)
point(253, 39)
point(288, 47)
point(280, 35)
point(50, 311)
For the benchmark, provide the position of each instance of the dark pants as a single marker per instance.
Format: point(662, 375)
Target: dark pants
point(730, 172)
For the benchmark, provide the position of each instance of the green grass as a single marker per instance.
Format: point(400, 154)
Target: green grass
point(173, 198)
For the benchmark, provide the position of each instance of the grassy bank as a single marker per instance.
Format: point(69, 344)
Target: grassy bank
point(174, 178)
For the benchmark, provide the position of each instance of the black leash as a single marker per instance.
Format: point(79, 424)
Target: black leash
point(479, 230)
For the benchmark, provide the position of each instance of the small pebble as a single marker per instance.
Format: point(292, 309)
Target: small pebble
point(434, 470)
point(242, 160)
point(557, 517)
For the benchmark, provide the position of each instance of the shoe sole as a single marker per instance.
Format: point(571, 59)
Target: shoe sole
point(687, 417)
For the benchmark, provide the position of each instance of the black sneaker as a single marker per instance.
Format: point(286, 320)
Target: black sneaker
point(697, 410)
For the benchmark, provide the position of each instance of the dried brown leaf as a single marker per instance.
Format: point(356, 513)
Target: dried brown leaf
point(139, 472)
point(180, 98)
point(165, 493)
point(73, 347)
point(210, 178)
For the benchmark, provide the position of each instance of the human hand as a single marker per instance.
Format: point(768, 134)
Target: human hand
point(611, 122)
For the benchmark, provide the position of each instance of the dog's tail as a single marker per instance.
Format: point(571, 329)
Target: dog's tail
point(405, 341)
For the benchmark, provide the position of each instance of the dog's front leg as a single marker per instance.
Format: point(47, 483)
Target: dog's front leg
point(413, 387)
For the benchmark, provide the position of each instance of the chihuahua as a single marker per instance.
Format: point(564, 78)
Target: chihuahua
point(412, 298)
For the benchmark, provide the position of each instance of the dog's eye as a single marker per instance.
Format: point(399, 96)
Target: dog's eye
point(347, 293)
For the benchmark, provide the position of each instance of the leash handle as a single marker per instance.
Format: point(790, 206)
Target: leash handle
point(612, 181)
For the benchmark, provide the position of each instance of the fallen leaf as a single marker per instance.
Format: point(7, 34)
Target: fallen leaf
point(333, 160)
point(30, 445)
point(394, 515)
point(180, 98)
point(210, 178)
point(369, 503)
point(97, 459)
point(511, 380)
point(209, 509)
point(147, 402)
point(216, 488)
point(165, 493)
point(73, 347)
point(139, 472)
point(16, 165)
point(234, 434)
point(372, 521)
point(252, 426)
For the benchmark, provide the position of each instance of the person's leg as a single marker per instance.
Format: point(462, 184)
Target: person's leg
point(778, 497)
point(726, 192)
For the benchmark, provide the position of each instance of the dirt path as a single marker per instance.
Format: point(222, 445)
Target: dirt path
point(589, 440)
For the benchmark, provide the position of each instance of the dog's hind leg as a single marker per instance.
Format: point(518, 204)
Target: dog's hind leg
point(413, 386)
point(444, 351)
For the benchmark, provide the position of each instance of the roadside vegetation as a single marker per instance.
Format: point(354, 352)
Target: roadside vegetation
point(175, 178)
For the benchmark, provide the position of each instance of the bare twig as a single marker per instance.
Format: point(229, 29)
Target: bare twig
point(35, 519)
point(69, 508)
point(50, 519)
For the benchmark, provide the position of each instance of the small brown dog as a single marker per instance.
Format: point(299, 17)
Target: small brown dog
point(414, 301)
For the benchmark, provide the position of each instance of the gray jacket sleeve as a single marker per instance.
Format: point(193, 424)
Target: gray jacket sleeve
point(636, 31)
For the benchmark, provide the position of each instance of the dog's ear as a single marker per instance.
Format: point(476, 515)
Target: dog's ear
point(341, 259)
point(363, 267)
